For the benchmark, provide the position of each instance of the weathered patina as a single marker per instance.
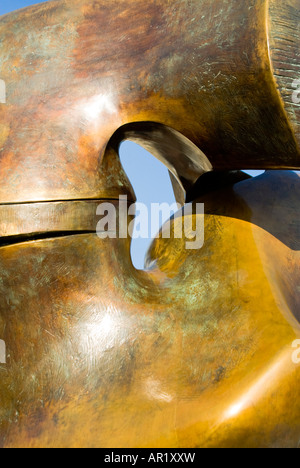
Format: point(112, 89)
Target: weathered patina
point(197, 350)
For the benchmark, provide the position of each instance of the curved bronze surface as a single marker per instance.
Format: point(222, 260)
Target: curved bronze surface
point(196, 351)
point(77, 71)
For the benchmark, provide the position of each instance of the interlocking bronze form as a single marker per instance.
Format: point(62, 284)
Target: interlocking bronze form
point(197, 350)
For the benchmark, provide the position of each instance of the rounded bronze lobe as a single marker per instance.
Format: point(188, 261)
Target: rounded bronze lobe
point(78, 71)
point(197, 352)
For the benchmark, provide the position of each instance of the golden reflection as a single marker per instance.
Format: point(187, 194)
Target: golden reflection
point(258, 389)
point(101, 333)
point(154, 391)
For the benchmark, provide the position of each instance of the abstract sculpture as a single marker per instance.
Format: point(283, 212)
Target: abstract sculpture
point(200, 350)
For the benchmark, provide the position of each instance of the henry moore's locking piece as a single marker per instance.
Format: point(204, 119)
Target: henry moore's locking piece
point(198, 350)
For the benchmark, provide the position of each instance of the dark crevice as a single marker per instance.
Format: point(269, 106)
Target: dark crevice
point(44, 202)
point(214, 181)
point(12, 240)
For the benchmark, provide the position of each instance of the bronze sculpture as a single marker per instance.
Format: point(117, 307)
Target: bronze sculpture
point(197, 350)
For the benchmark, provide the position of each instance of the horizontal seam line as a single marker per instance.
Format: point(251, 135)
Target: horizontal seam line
point(64, 201)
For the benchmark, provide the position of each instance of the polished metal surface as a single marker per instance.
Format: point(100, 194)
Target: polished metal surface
point(77, 71)
point(199, 349)
point(196, 352)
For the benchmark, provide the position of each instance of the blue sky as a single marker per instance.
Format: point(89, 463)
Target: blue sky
point(10, 5)
point(151, 183)
point(148, 176)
